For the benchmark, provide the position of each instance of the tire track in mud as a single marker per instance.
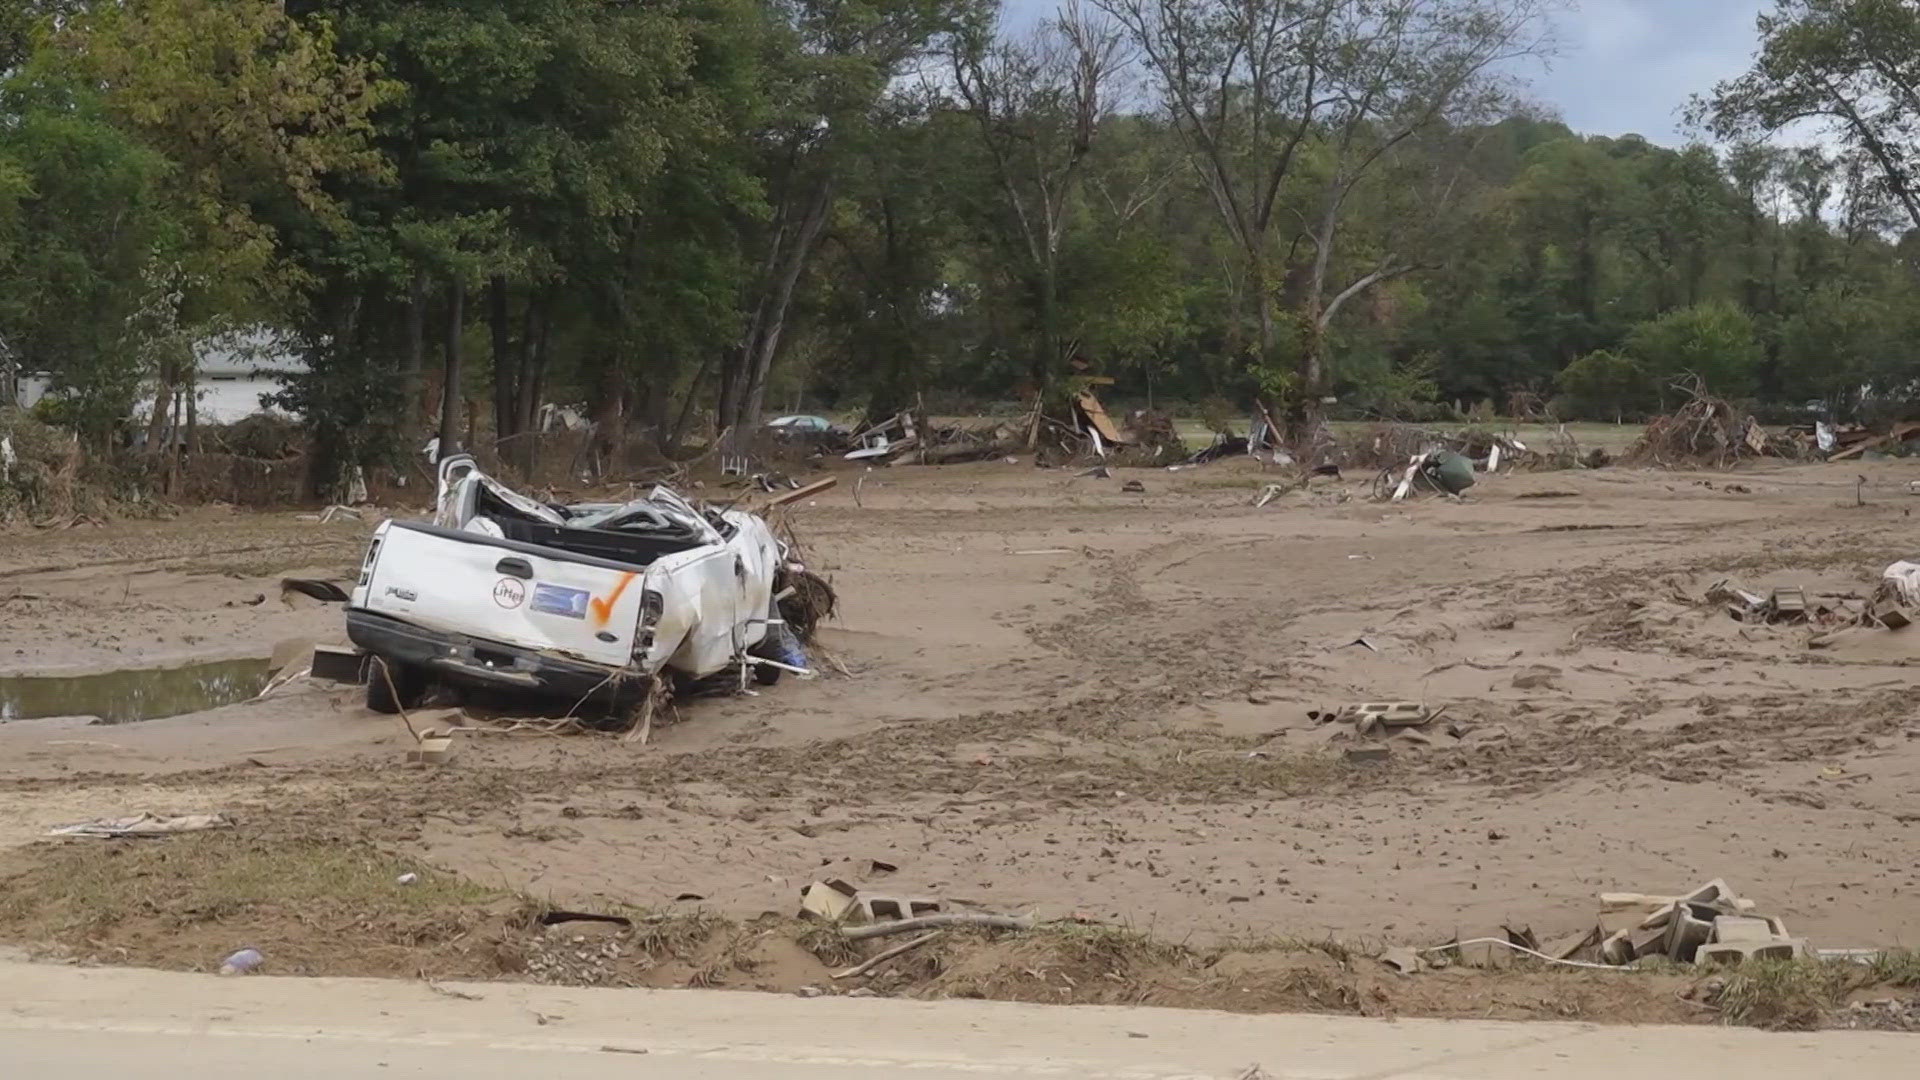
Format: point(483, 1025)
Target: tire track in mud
point(158, 564)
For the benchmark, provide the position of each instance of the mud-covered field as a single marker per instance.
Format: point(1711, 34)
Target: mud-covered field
point(1064, 699)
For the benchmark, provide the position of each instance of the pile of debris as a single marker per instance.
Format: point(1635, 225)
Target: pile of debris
point(1438, 471)
point(1857, 441)
point(1710, 432)
point(1083, 432)
point(1896, 600)
point(1383, 725)
point(1784, 605)
point(1709, 925)
point(859, 915)
point(1894, 604)
point(1388, 445)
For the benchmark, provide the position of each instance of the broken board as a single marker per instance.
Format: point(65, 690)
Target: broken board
point(1098, 420)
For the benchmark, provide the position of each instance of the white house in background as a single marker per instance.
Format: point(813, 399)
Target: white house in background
point(235, 370)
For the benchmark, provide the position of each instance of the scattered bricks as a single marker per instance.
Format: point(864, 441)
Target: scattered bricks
point(1741, 930)
point(1741, 952)
point(1368, 755)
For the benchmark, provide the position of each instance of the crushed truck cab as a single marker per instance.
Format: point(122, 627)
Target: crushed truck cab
point(568, 602)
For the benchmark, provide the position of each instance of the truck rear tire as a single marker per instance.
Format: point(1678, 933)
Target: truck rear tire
point(394, 687)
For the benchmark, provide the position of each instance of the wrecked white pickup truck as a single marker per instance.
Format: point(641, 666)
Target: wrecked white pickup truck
point(569, 603)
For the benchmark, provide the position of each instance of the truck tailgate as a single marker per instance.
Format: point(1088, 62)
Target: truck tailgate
point(520, 594)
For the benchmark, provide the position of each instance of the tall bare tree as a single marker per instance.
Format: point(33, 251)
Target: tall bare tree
point(1289, 107)
point(844, 59)
point(1039, 104)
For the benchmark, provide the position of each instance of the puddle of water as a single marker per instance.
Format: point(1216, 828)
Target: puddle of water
point(119, 697)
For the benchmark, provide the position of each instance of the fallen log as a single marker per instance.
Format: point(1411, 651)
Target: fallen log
point(897, 950)
point(936, 922)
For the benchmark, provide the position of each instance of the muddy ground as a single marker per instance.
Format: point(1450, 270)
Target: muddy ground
point(1069, 700)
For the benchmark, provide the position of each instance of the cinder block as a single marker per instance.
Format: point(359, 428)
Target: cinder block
point(887, 908)
point(339, 664)
point(1741, 930)
point(1734, 952)
point(1647, 941)
point(1687, 932)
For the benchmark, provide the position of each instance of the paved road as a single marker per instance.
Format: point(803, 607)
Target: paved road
point(143, 1025)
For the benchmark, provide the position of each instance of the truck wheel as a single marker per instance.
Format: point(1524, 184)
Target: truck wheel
point(394, 687)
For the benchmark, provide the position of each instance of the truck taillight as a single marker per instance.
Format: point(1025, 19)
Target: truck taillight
point(366, 568)
point(652, 606)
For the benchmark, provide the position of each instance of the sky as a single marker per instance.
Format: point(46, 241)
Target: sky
point(1622, 66)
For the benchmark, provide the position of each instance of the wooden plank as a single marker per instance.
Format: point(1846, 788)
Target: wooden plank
point(1098, 418)
point(814, 488)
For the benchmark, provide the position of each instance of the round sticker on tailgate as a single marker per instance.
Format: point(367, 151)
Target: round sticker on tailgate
point(509, 593)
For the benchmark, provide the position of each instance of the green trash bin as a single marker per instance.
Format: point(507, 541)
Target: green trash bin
point(1449, 472)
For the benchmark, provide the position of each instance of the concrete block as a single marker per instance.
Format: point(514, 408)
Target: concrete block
point(340, 664)
point(1616, 949)
point(829, 900)
point(434, 748)
point(888, 908)
point(1688, 931)
point(1892, 613)
point(1368, 755)
point(1647, 941)
point(1741, 930)
point(1713, 892)
point(1658, 917)
point(1741, 952)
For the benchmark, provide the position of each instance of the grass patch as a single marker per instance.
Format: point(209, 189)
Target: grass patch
point(827, 944)
point(187, 901)
point(1787, 995)
point(1899, 968)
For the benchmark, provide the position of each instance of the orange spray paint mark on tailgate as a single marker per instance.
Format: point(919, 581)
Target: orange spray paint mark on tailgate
point(603, 609)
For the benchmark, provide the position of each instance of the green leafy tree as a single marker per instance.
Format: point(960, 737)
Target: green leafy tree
point(1852, 66)
point(1714, 341)
point(1604, 385)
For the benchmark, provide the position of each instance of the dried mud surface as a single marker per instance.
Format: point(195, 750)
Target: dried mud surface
point(1073, 701)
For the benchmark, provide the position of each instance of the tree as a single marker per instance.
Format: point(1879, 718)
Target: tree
point(85, 220)
point(1850, 66)
point(250, 108)
point(1606, 386)
point(1714, 341)
point(1039, 106)
point(837, 62)
point(1289, 106)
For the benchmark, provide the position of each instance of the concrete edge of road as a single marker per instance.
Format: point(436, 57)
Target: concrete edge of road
point(877, 1036)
